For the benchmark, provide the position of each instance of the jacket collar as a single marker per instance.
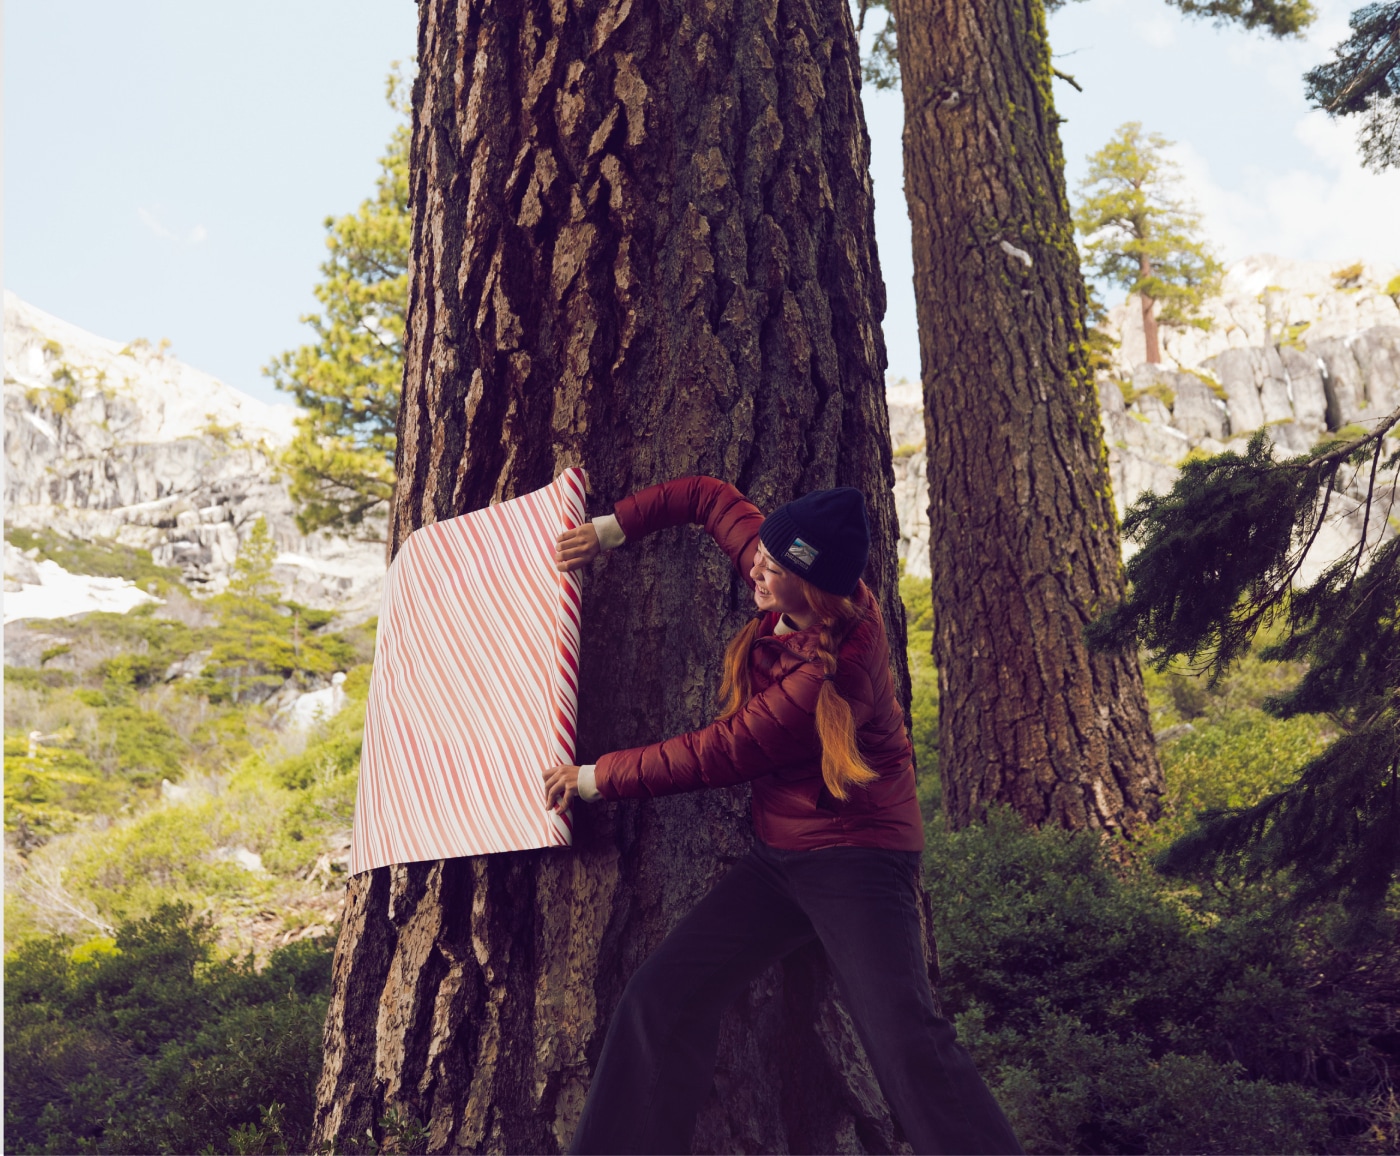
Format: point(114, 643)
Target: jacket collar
point(802, 642)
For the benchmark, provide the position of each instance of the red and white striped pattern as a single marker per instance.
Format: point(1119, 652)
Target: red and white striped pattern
point(475, 686)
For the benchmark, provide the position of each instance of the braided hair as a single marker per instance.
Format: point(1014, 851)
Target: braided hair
point(842, 764)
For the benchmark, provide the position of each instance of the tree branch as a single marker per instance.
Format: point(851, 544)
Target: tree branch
point(1345, 451)
point(1363, 80)
point(1249, 623)
point(1366, 517)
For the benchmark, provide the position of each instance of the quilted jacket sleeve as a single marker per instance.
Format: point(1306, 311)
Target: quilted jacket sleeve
point(773, 729)
point(728, 517)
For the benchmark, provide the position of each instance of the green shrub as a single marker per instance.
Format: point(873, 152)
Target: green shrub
point(1067, 1089)
point(1043, 928)
point(153, 1043)
point(162, 855)
point(1234, 760)
point(53, 790)
point(1114, 1011)
point(1236, 753)
point(233, 1069)
point(31, 678)
point(1348, 276)
point(137, 745)
point(917, 596)
point(143, 639)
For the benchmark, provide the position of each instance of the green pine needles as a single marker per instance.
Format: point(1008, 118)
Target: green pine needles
point(1217, 563)
point(348, 380)
point(1363, 79)
point(1278, 17)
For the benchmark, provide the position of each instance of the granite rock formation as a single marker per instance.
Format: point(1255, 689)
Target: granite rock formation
point(1292, 347)
point(127, 444)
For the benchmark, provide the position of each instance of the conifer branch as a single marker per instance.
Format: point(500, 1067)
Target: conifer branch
point(1345, 451)
point(1366, 517)
point(1365, 78)
point(1249, 624)
point(1220, 557)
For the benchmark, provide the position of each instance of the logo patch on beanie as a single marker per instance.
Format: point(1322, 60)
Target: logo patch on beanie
point(801, 553)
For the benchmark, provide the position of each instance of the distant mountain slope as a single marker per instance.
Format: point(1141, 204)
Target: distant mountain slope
point(125, 443)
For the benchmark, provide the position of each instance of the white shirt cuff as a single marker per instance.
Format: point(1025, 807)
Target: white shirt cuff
point(587, 786)
point(610, 535)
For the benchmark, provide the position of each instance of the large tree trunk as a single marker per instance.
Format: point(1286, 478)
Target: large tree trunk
point(1024, 538)
point(642, 243)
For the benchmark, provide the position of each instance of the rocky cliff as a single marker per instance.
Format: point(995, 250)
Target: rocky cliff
point(1305, 349)
point(126, 443)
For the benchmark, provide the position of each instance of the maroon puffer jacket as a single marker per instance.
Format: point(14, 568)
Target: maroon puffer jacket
point(772, 740)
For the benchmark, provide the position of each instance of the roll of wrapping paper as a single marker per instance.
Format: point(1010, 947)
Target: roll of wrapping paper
point(475, 686)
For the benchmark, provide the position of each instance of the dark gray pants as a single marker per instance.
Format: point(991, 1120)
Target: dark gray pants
point(658, 1058)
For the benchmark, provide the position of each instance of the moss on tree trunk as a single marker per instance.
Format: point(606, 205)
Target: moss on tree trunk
point(1024, 538)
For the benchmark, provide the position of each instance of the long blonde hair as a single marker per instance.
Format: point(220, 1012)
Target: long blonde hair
point(842, 765)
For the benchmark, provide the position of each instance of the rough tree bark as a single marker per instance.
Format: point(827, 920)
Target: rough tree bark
point(642, 243)
point(1149, 316)
point(1024, 539)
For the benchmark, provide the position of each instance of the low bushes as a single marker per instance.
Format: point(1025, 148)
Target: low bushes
point(150, 1043)
point(1113, 1014)
point(1113, 1009)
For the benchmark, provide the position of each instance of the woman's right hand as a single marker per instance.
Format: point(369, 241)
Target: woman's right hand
point(574, 549)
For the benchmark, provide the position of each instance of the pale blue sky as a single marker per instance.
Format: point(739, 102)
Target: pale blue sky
point(168, 164)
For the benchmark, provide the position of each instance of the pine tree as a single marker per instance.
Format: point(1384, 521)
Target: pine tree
point(1024, 543)
point(260, 641)
point(1142, 235)
point(1277, 17)
point(1217, 562)
point(348, 380)
point(1363, 79)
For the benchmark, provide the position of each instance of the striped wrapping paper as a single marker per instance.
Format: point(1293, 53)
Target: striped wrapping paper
point(475, 687)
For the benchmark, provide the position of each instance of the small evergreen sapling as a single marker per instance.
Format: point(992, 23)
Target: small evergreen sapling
point(1217, 562)
point(261, 641)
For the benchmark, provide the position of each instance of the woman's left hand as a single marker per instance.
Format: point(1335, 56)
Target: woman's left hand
point(561, 784)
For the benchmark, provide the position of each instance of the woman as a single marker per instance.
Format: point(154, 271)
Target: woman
point(810, 717)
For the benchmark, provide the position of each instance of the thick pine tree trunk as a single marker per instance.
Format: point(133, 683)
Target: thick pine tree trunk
point(1024, 539)
point(1149, 317)
point(643, 243)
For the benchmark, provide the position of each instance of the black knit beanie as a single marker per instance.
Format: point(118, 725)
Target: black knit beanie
point(824, 537)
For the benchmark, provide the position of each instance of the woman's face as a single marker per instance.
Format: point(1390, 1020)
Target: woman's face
point(776, 588)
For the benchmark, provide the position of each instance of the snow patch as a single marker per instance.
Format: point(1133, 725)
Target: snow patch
point(61, 594)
